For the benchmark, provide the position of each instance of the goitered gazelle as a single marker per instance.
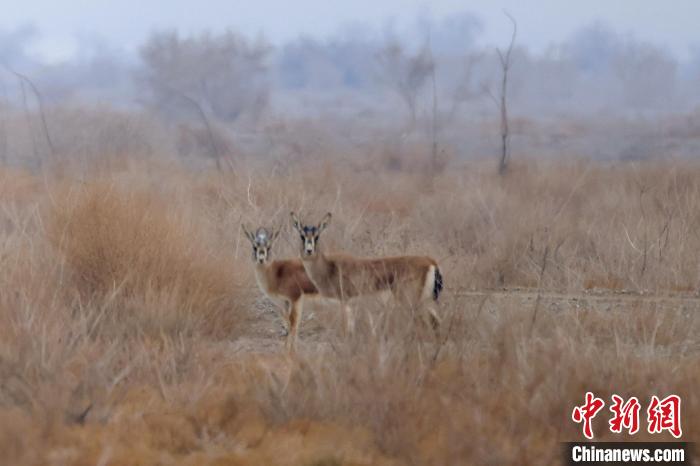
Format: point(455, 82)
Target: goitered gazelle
point(283, 281)
point(413, 280)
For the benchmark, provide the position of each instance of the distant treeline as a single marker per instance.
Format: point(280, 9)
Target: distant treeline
point(226, 75)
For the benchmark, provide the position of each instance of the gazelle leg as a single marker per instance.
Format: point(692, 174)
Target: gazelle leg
point(433, 317)
point(286, 311)
point(349, 319)
point(294, 320)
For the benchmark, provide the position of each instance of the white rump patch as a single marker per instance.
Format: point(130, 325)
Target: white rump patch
point(429, 284)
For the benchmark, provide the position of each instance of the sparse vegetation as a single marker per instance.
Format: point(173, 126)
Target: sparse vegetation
point(131, 335)
point(132, 332)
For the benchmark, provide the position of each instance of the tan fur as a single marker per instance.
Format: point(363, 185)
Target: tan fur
point(285, 282)
point(341, 276)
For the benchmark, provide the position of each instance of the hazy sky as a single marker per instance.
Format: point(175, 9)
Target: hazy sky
point(125, 23)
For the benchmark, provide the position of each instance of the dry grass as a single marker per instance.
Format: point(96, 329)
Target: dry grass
point(130, 333)
point(131, 248)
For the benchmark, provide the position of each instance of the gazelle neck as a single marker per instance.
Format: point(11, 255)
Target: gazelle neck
point(317, 268)
point(317, 258)
point(261, 275)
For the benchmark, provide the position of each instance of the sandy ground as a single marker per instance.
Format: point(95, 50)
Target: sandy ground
point(267, 332)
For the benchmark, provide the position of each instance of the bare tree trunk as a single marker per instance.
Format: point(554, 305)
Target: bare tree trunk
point(463, 91)
point(28, 115)
point(505, 59)
point(215, 152)
point(434, 125)
point(3, 129)
point(406, 74)
point(3, 141)
point(505, 137)
point(411, 103)
point(40, 103)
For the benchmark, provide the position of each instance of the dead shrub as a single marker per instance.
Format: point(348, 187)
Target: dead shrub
point(131, 244)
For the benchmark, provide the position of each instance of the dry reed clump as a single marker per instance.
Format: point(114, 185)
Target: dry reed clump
point(132, 246)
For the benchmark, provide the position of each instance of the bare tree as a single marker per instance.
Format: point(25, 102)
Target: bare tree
point(434, 126)
point(24, 80)
point(207, 77)
point(214, 150)
point(502, 100)
point(459, 95)
point(3, 123)
point(226, 75)
point(465, 89)
point(407, 74)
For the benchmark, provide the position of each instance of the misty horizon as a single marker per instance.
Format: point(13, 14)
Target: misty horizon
point(66, 32)
point(582, 82)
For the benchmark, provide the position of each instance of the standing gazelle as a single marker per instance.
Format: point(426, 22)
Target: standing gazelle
point(283, 281)
point(413, 280)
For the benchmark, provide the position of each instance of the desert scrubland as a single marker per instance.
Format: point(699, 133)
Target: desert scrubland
point(132, 330)
point(134, 333)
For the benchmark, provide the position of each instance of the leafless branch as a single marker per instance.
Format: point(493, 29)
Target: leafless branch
point(465, 89)
point(434, 123)
point(406, 73)
point(502, 102)
point(214, 147)
point(28, 116)
point(40, 103)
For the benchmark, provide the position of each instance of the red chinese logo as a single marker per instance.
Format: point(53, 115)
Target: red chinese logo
point(624, 415)
point(586, 412)
point(665, 415)
point(662, 415)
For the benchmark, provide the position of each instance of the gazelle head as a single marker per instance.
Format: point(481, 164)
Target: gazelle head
point(310, 234)
point(262, 242)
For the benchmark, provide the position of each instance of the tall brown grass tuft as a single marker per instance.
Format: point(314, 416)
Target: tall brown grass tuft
point(134, 246)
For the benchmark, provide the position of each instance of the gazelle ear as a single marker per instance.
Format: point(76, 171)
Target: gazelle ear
point(247, 233)
point(325, 221)
point(295, 221)
point(275, 235)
